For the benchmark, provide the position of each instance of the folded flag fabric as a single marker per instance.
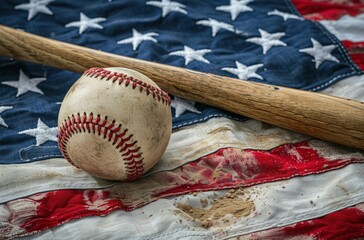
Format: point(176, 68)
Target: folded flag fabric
point(223, 175)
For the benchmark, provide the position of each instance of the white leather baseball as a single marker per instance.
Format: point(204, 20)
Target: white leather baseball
point(114, 123)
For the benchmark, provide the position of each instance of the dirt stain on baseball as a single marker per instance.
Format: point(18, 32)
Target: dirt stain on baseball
point(73, 88)
point(227, 208)
point(159, 129)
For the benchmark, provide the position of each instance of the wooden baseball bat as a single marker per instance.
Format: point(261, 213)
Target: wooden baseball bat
point(322, 116)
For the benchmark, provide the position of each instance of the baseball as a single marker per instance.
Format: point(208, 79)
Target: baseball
point(114, 123)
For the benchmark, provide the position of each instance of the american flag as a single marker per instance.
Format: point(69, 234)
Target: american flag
point(223, 176)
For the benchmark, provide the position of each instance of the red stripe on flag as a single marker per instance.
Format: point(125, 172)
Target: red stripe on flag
point(327, 10)
point(344, 224)
point(226, 168)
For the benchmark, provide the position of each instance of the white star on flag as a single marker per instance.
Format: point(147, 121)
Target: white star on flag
point(168, 6)
point(3, 109)
point(236, 7)
point(86, 22)
point(284, 15)
point(183, 105)
point(138, 38)
point(25, 84)
point(245, 72)
point(267, 40)
point(216, 25)
point(34, 7)
point(42, 133)
point(190, 54)
point(320, 53)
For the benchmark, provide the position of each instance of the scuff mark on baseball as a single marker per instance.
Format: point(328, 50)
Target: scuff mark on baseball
point(114, 123)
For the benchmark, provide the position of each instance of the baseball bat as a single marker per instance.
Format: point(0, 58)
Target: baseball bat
point(318, 115)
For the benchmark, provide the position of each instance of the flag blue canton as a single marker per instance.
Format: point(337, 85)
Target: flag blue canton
point(262, 41)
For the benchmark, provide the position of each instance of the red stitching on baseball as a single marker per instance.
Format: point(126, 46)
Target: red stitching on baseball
point(157, 93)
point(130, 152)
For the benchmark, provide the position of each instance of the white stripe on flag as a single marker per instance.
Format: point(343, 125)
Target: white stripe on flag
point(352, 88)
point(347, 27)
point(20, 180)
